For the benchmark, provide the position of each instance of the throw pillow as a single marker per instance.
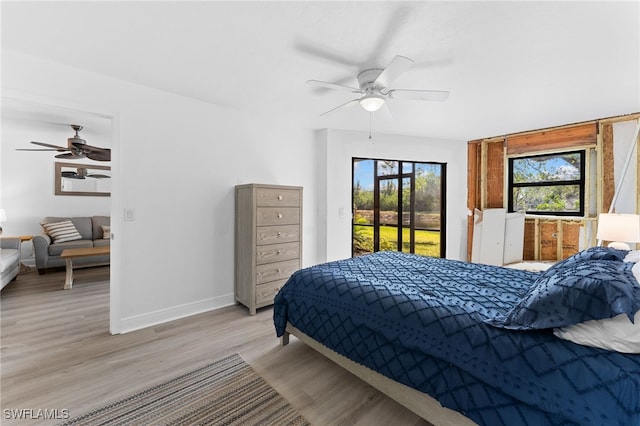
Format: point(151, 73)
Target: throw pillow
point(586, 290)
point(593, 253)
point(61, 232)
point(106, 232)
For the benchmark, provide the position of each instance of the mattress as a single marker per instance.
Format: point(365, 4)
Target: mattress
point(430, 324)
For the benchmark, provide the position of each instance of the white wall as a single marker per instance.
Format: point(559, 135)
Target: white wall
point(175, 162)
point(341, 146)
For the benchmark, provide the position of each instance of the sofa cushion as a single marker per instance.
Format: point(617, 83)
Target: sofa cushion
point(56, 249)
point(62, 231)
point(97, 223)
point(102, 243)
point(8, 259)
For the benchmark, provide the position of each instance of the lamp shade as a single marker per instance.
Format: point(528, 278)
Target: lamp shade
point(619, 227)
point(3, 215)
point(372, 103)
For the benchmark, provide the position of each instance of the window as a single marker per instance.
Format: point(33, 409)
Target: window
point(398, 205)
point(550, 184)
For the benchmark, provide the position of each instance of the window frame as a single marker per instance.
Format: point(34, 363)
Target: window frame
point(581, 183)
point(401, 173)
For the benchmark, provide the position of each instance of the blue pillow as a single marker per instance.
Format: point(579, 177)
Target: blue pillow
point(581, 291)
point(593, 253)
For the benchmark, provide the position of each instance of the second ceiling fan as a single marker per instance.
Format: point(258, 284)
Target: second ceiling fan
point(77, 148)
point(375, 87)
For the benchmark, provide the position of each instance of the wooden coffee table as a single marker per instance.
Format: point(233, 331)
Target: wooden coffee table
point(70, 254)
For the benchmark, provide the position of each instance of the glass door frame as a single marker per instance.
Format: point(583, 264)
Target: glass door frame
point(399, 178)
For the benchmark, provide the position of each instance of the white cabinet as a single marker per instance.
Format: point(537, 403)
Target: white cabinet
point(498, 237)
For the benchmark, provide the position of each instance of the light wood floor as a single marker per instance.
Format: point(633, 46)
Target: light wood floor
point(57, 353)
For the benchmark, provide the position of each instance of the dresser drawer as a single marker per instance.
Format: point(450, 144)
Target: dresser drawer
point(265, 293)
point(277, 216)
point(272, 197)
point(276, 271)
point(277, 253)
point(277, 234)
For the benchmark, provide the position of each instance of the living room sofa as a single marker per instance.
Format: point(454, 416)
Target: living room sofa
point(92, 229)
point(9, 260)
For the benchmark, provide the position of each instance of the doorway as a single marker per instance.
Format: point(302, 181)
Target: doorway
point(25, 118)
point(398, 205)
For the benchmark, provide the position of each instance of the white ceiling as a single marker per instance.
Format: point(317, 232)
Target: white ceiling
point(510, 66)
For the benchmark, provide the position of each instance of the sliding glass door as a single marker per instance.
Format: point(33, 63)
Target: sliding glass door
point(399, 206)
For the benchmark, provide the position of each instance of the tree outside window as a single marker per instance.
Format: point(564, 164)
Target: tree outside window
point(550, 184)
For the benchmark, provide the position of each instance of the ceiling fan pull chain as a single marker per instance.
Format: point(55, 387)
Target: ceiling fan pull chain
point(370, 121)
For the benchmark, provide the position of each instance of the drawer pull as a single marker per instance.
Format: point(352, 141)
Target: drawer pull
point(279, 234)
point(280, 197)
point(279, 252)
point(279, 270)
point(279, 215)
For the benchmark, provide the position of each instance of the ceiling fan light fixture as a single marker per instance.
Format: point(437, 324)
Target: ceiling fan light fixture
point(372, 103)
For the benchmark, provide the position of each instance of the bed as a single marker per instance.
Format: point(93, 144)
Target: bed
point(462, 343)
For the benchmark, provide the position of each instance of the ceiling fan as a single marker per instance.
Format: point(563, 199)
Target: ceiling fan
point(82, 173)
point(375, 87)
point(77, 148)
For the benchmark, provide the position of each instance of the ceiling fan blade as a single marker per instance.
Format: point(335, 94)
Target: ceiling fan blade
point(336, 86)
point(326, 54)
point(340, 106)
point(71, 156)
point(48, 145)
point(93, 152)
point(396, 67)
point(72, 175)
point(40, 149)
point(104, 155)
point(99, 176)
point(419, 95)
point(87, 148)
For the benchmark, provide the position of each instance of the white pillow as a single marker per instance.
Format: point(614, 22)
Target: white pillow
point(633, 256)
point(615, 334)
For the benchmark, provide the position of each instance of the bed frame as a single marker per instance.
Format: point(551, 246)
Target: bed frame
point(418, 402)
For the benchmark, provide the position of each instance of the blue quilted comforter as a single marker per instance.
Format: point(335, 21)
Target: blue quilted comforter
point(427, 323)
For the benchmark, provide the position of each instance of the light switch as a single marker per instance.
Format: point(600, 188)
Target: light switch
point(129, 215)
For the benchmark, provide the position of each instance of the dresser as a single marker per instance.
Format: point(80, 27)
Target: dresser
point(268, 241)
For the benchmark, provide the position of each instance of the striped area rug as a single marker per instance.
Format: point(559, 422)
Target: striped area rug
point(226, 392)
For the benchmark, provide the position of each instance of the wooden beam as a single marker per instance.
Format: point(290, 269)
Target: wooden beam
point(607, 172)
point(561, 138)
point(495, 171)
point(483, 175)
point(536, 239)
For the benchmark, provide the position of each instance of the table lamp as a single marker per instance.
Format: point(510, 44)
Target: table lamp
point(619, 229)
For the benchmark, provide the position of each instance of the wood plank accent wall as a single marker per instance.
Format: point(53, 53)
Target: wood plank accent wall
point(495, 175)
point(547, 237)
point(553, 139)
point(552, 239)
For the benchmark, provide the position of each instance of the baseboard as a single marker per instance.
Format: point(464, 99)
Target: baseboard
point(138, 322)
